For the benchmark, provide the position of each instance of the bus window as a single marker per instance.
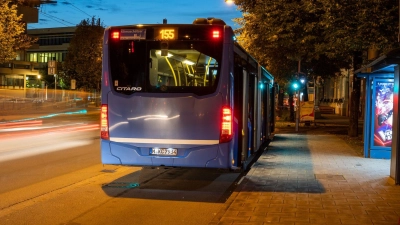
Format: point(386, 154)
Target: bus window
point(182, 68)
point(188, 67)
point(128, 66)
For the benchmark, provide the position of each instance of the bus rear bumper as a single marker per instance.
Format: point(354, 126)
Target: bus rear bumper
point(213, 156)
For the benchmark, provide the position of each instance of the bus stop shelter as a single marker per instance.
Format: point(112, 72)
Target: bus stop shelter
point(381, 120)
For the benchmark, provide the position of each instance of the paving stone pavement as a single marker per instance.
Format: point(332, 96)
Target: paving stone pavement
point(313, 179)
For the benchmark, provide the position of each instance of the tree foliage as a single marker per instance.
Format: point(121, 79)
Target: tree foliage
point(323, 34)
point(84, 57)
point(351, 26)
point(12, 31)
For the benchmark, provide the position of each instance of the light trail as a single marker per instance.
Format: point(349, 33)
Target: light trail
point(38, 131)
point(20, 124)
point(22, 153)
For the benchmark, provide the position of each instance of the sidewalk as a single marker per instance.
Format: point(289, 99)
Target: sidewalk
point(314, 177)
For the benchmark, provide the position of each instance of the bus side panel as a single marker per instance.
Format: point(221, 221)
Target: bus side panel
point(235, 143)
point(105, 80)
point(106, 156)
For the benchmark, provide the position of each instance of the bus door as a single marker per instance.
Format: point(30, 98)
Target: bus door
point(252, 108)
point(274, 91)
point(269, 107)
point(241, 112)
point(264, 101)
point(257, 113)
point(246, 121)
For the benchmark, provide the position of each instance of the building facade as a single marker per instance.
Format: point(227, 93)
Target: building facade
point(27, 70)
point(335, 92)
point(29, 67)
point(52, 44)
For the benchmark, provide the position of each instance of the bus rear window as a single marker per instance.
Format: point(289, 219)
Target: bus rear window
point(185, 67)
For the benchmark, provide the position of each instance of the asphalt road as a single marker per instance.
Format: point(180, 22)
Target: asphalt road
point(52, 175)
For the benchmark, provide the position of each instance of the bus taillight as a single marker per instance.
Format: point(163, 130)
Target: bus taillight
point(226, 125)
point(115, 35)
point(215, 34)
point(104, 122)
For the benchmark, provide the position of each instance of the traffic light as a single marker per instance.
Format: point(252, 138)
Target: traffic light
point(295, 85)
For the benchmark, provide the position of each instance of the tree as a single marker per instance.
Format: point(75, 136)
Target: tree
point(84, 58)
point(351, 28)
point(317, 32)
point(286, 31)
point(281, 35)
point(12, 31)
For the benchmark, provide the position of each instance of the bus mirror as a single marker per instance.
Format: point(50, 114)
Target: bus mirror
point(164, 48)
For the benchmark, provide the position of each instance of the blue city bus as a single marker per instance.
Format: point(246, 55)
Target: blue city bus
point(182, 95)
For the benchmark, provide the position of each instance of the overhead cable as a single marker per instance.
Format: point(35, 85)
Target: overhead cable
point(56, 19)
point(68, 3)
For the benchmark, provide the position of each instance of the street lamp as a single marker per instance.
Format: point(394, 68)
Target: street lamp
point(38, 77)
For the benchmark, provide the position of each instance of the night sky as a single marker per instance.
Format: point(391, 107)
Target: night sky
point(122, 12)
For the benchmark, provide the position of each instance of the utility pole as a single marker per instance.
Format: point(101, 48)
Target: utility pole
point(52, 70)
point(298, 100)
point(55, 87)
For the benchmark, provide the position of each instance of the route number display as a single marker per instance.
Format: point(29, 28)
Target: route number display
point(166, 34)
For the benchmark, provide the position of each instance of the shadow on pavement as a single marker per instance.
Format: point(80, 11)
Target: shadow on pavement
point(177, 184)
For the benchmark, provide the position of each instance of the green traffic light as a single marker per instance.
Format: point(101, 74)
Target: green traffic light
point(295, 86)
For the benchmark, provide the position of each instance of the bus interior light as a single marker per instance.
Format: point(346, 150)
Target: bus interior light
point(158, 52)
point(190, 63)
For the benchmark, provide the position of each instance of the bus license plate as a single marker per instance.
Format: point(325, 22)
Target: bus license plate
point(164, 151)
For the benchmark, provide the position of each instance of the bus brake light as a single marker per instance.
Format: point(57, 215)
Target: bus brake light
point(226, 125)
point(216, 34)
point(104, 122)
point(115, 35)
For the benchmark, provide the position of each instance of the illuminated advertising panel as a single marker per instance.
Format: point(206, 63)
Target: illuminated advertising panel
point(307, 111)
point(383, 113)
point(133, 34)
